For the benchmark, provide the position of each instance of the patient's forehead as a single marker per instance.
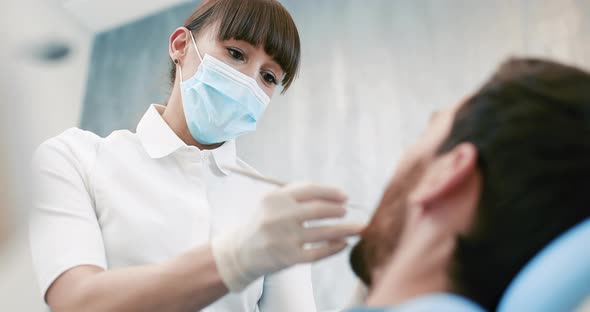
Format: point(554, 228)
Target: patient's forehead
point(432, 136)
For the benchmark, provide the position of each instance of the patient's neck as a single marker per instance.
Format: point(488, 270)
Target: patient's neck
point(420, 266)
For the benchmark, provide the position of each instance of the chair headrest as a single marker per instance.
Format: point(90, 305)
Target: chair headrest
point(556, 279)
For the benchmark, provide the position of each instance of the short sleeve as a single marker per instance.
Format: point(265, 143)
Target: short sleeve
point(63, 228)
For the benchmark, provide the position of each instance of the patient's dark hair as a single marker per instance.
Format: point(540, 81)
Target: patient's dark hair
point(531, 125)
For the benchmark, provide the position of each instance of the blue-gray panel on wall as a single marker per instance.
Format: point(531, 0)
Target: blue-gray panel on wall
point(129, 70)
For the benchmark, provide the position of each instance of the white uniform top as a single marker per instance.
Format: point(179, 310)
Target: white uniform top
point(145, 197)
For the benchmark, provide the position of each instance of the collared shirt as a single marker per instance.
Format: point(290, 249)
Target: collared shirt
point(140, 198)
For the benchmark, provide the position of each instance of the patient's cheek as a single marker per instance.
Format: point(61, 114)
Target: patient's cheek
point(381, 237)
point(386, 230)
point(376, 242)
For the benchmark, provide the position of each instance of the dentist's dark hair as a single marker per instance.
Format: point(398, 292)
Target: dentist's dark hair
point(531, 125)
point(263, 23)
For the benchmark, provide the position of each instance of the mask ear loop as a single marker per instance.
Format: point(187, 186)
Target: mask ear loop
point(196, 48)
point(198, 54)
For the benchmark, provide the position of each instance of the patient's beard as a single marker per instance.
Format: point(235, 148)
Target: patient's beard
point(380, 239)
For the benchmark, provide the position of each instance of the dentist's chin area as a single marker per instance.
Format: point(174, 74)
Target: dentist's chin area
point(289, 156)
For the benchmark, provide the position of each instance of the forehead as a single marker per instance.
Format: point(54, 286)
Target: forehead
point(440, 125)
point(437, 130)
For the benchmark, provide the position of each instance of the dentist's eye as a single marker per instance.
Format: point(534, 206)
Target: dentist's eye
point(236, 54)
point(269, 78)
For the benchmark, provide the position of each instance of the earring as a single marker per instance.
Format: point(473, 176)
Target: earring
point(175, 61)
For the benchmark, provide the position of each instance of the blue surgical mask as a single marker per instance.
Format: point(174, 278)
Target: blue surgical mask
point(220, 103)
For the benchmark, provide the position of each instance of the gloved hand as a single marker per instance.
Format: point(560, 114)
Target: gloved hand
point(277, 236)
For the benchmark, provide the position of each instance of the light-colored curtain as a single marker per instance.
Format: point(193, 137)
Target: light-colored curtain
point(372, 71)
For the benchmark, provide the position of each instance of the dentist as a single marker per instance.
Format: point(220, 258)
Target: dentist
point(153, 221)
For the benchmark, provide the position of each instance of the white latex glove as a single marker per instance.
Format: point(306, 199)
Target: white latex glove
point(276, 237)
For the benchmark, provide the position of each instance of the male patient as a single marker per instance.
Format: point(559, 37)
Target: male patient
point(492, 180)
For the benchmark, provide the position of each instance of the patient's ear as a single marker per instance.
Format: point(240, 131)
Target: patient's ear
point(446, 175)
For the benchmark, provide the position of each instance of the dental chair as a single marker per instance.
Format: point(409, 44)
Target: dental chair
point(556, 279)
